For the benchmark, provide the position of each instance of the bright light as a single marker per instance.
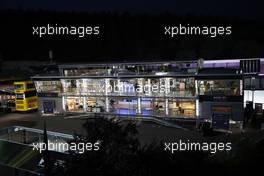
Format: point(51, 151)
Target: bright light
point(221, 61)
point(161, 73)
point(197, 107)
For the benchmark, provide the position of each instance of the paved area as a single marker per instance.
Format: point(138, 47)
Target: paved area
point(20, 119)
point(148, 131)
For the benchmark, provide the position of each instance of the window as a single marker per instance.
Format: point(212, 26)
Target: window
point(30, 94)
point(257, 83)
point(48, 86)
point(19, 86)
point(262, 83)
point(254, 83)
point(219, 87)
point(19, 96)
point(181, 108)
point(247, 83)
point(30, 86)
point(74, 104)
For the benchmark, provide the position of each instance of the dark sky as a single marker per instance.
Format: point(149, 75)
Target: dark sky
point(243, 9)
point(135, 36)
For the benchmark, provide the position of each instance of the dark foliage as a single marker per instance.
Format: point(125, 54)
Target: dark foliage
point(118, 149)
point(121, 154)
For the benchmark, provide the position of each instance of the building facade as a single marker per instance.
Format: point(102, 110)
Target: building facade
point(170, 90)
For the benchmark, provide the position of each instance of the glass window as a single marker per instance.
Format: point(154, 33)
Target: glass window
point(29, 94)
point(122, 86)
point(247, 83)
point(19, 86)
point(183, 87)
point(158, 107)
point(262, 83)
point(30, 86)
point(91, 86)
point(126, 106)
point(86, 71)
point(181, 108)
point(95, 104)
point(48, 86)
point(123, 106)
point(74, 104)
point(19, 96)
point(256, 82)
point(219, 87)
point(147, 106)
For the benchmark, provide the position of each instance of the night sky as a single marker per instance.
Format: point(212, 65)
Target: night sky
point(243, 9)
point(136, 34)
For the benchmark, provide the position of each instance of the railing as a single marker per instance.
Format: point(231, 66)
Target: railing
point(17, 171)
point(24, 135)
point(176, 94)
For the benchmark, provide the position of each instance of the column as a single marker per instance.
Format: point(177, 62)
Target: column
point(196, 88)
point(149, 87)
point(107, 104)
point(166, 106)
point(85, 87)
point(119, 87)
point(84, 104)
point(241, 88)
point(197, 108)
point(139, 105)
point(107, 87)
point(167, 85)
point(64, 103)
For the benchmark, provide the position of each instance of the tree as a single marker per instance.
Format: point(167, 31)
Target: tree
point(121, 154)
point(117, 153)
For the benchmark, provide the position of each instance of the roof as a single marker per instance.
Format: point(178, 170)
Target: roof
point(147, 61)
point(101, 64)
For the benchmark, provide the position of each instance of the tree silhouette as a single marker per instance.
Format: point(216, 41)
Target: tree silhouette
point(122, 154)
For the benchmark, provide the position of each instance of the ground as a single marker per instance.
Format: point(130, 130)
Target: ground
point(148, 131)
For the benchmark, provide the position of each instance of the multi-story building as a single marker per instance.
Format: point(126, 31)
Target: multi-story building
point(168, 90)
point(253, 76)
point(147, 89)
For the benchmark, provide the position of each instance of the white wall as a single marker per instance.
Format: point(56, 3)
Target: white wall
point(258, 97)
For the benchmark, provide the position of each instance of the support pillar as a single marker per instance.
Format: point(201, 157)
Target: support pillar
point(166, 107)
point(84, 104)
point(107, 86)
point(139, 105)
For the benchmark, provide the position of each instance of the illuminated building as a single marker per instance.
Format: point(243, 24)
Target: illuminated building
point(166, 90)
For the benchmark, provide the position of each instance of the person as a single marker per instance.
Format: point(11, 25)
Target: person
point(208, 88)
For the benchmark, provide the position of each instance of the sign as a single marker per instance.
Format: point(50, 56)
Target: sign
point(220, 121)
point(48, 107)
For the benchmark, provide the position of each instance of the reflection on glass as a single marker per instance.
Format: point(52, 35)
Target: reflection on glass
point(74, 104)
point(48, 86)
point(154, 87)
point(219, 87)
point(181, 108)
